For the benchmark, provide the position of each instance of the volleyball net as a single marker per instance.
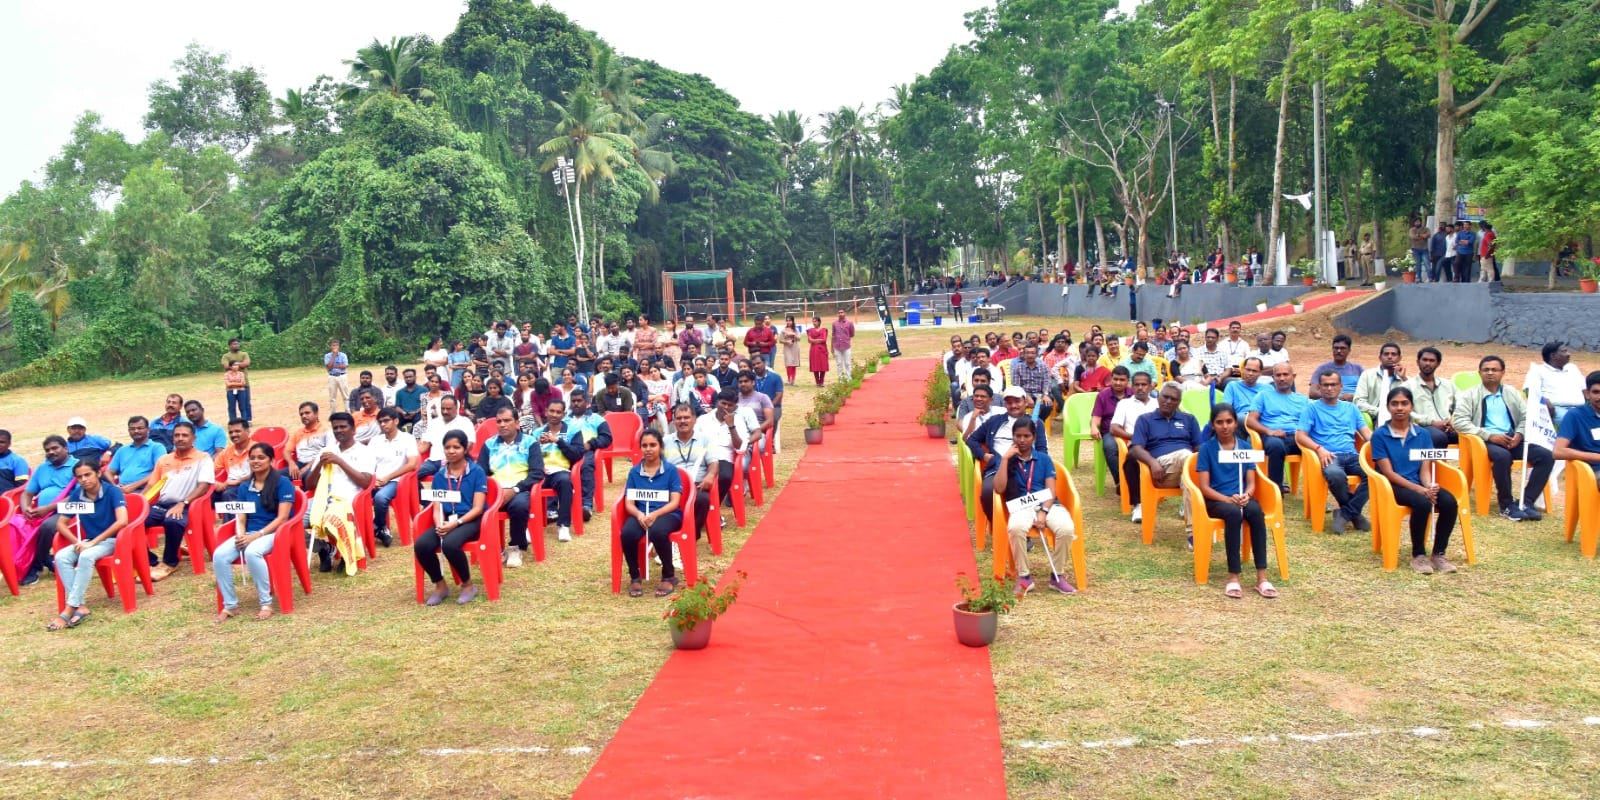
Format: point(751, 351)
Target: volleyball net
point(806, 303)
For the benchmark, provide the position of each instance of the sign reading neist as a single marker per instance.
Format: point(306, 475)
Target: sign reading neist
point(889, 339)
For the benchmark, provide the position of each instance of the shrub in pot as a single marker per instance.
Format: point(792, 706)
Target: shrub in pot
point(977, 616)
point(691, 611)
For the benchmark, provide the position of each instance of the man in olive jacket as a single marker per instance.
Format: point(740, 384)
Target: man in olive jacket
point(1499, 417)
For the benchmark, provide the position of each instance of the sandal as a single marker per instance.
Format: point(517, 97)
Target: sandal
point(636, 589)
point(225, 614)
point(77, 618)
point(1265, 589)
point(667, 587)
point(58, 623)
point(264, 613)
point(1232, 590)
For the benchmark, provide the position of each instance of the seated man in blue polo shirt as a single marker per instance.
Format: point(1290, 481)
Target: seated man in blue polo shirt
point(209, 437)
point(1162, 439)
point(132, 464)
point(14, 470)
point(83, 445)
point(1275, 417)
point(1332, 429)
point(1241, 394)
point(1578, 436)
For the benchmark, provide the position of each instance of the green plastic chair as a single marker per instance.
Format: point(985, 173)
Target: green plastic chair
point(1101, 468)
point(1466, 380)
point(963, 469)
point(1198, 403)
point(1075, 425)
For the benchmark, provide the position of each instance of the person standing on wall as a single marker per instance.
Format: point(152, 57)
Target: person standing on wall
point(337, 364)
point(236, 382)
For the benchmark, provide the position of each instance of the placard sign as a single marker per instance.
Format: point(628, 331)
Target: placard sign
point(70, 509)
point(649, 495)
point(1435, 454)
point(890, 341)
point(1241, 456)
point(440, 495)
point(1029, 502)
point(236, 507)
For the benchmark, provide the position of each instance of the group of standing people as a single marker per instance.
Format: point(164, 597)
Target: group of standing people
point(1447, 254)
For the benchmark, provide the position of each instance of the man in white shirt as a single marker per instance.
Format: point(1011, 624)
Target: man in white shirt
point(727, 430)
point(501, 344)
point(1556, 380)
point(983, 407)
point(1281, 352)
point(688, 452)
point(1269, 357)
point(433, 436)
point(396, 456)
point(1131, 408)
point(342, 471)
point(1214, 358)
point(1235, 346)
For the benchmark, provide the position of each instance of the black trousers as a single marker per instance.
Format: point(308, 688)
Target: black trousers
point(454, 544)
point(1420, 509)
point(1540, 462)
point(516, 511)
point(172, 527)
point(1233, 520)
point(660, 534)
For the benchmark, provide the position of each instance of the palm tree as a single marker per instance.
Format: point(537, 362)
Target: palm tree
point(846, 133)
point(789, 131)
point(23, 269)
point(614, 81)
point(394, 68)
point(587, 137)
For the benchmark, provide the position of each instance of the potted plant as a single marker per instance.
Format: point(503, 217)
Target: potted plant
point(977, 616)
point(827, 405)
point(1408, 268)
point(1299, 308)
point(1588, 275)
point(1232, 276)
point(690, 612)
point(883, 358)
point(1261, 304)
point(935, 402)
point(872, 367)
point(1306, 268)
point(813, 429)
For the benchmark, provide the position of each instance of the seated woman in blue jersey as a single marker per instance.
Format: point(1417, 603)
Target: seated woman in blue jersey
point(273, 495)
point(1229, 490)
point(455, 521)
point(1414, 483)
point(93, 538)
point(650, 500)
point(1025, 469)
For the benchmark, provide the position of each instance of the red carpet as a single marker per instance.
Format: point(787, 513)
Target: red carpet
point(1279, 312)
point(837, 674)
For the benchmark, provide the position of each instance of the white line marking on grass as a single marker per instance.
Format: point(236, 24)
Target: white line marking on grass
point(190, 761)
point(1420, 732)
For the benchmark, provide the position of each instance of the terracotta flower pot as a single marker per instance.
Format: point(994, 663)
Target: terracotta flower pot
point(1308, 280)
point(1232, 278)
point(975, 629)
point(1588, 285)
point(813, 436)
point(695, 638)
point(1408, 277)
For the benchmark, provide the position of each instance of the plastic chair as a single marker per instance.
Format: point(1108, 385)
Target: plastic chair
point(118, 572)
point(8, 559)
point(1583, 506)
point(1316, 491)
point(1387, 514)
point(405, 506)
point(276, 438)
point(1198, 403)
point(683, 537)
point(980, 522)
point(1208, 531)
point(714, 516)
point(1067, 495)
point(1475, 457)
point(1466, 380)
point(625, 428)
point(1150, 497)
point(1292, 465)
point(486, 430)
point(1075, 428)
point(288, 553)
point(196, 534)
point(963, 481)
point(485, 550)
point(757, 464)
point(1122, 482)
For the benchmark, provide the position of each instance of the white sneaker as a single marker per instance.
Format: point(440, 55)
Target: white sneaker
point(1138, 513)
point(514, 558)
point(563, 534)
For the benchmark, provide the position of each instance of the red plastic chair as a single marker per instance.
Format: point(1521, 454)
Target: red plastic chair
point(683, 537)
point(405, 507)
point(736, 494)
point(539, 511)
point(127, 561)
point(196, 535)
point(486, 550)
point(625, 429)
point(768, 469)
point(288, 548)
point(8, 564)
point(486, 430)
point(535, 534)
point(714, 516)
point(757, 464)
point(275, 437)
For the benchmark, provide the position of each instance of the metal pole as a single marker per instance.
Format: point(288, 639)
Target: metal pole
point(1316, 169)
point(1172, 181)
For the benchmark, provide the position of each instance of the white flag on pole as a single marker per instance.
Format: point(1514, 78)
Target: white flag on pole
point(1541, 429)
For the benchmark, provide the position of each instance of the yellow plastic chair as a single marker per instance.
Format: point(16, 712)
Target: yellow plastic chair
point(1122, 480)
point(963, 477)
point(1387, 515)
point(980, 524)
point(1475, 457)
point(1316, 491)
point(1075, 427)
point(1208, 531)
point(1583, 506)
point(1066, 494)
point(1151, 496)
point(1292, 464)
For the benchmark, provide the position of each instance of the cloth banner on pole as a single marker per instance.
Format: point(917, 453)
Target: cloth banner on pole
point(1541, 431)
point(889, 339)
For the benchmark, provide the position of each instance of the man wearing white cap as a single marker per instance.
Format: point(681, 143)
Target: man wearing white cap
point(992, 440)
point(82, 445)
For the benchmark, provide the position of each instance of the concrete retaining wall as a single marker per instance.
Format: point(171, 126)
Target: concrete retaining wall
point(1478, 313)
point(1195, 302)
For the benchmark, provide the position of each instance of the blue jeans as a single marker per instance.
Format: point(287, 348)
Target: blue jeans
point(239, 403)
point(1278, 448)
point(1433, 268)
point(382, 497)
point(255, 560)
point(1420, 258)
point(1346, 464)
point(768, 357)
point(76, 569)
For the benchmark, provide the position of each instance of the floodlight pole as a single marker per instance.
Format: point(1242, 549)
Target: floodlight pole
point(565, 177)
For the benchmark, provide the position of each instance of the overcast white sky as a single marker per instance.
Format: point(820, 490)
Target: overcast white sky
point(63, 57)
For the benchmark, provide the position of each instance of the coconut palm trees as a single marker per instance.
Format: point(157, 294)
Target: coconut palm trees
point(394, 68)
point(789, 131)
point(587, 142)
point(847, 134)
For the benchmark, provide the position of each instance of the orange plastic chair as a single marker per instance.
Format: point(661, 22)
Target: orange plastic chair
point(683, 537)
point(126, 564)
point(485, 550)
point(1067, 495)
point(1583, 506)
point(625, 429)
point(981, 522)
point(8, 562)
point(196, 535)
point(288, 554)
point(1151, 495)
point(1475, 459)
point(1122, 478)
point(1208, 531)
point(1387, 515)
point(1316, 491)
point(1292, 465)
